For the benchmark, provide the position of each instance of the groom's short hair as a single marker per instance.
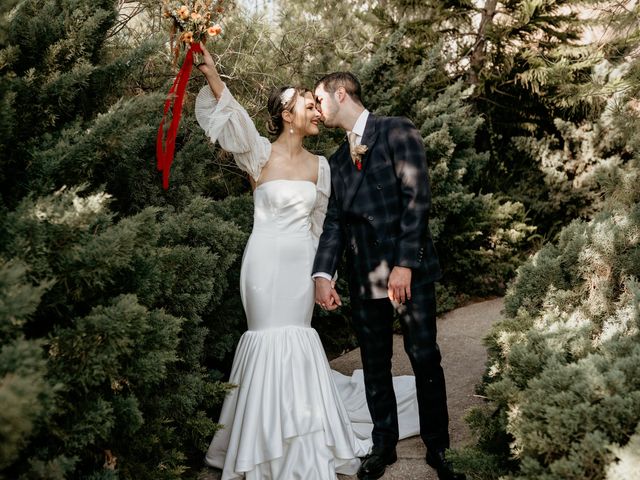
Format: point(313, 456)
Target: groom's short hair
point(335, 80)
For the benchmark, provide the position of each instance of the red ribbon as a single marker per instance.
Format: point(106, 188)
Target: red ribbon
point(165, 146)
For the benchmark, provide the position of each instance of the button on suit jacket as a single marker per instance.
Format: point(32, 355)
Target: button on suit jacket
point(380, 214)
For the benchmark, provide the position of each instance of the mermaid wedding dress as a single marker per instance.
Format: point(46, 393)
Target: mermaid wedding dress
point(290, 416)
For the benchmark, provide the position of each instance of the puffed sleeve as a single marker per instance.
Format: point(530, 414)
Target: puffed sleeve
point(227, 122)
point(323, 191)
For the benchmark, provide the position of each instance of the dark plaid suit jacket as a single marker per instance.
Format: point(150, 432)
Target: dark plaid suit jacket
point(381, 213)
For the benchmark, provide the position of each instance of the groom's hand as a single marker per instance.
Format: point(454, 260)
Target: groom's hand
point(326, 295)
point(399, 286)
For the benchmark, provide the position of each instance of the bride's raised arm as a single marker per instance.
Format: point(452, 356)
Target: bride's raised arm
point(224, 120)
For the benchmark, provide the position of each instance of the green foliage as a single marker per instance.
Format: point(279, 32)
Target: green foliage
point(25, 396)
point(562, 375)
point(588, 75)
point(24, 390)
point(395, 79)
point(574, 163)
point(474, 232)
point(55, 74)
point(123, 326)
point(570, 91)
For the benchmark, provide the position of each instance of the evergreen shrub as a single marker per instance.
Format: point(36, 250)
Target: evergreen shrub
point(571, 162)
point(564, 369)
point(105, 325)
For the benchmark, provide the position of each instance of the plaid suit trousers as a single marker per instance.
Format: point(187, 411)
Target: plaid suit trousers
point(373, 323)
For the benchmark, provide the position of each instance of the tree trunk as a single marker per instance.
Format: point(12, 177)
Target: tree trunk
point(476, 60)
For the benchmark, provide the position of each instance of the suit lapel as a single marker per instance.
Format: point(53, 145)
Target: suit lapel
point(353, 177)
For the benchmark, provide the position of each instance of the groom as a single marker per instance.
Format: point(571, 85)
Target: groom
point(378, 211)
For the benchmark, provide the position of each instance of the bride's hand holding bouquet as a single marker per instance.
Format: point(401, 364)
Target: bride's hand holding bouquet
point(195, 21)
point(208, 68)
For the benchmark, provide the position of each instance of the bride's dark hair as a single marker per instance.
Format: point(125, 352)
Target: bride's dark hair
point(275, 124)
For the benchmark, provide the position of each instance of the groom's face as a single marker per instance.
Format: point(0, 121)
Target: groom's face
point(328, 107)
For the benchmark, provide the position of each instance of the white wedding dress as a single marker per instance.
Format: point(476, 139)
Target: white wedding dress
point(290, 416)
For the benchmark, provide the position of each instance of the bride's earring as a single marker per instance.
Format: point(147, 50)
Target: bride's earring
point(291, 128)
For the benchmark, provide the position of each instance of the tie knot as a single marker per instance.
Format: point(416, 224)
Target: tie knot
point(353, 139)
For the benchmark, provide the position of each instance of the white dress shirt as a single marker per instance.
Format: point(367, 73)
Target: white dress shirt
point(358, 129)
point(360, 125)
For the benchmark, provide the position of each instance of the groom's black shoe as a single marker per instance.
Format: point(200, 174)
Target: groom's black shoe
point(437, 460)
point(374, 464)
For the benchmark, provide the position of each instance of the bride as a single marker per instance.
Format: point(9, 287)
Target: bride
point(290, 416)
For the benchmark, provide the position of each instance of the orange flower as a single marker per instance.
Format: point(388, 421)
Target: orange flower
point(187, 37)
point(183, 12)
point(195, 16)
point(215, 30)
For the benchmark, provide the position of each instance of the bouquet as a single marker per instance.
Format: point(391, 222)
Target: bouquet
point(195, 21)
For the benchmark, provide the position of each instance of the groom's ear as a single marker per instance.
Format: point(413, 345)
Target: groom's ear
point(341, 94)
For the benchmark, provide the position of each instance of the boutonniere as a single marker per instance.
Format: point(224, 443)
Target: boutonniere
point(356, 155)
